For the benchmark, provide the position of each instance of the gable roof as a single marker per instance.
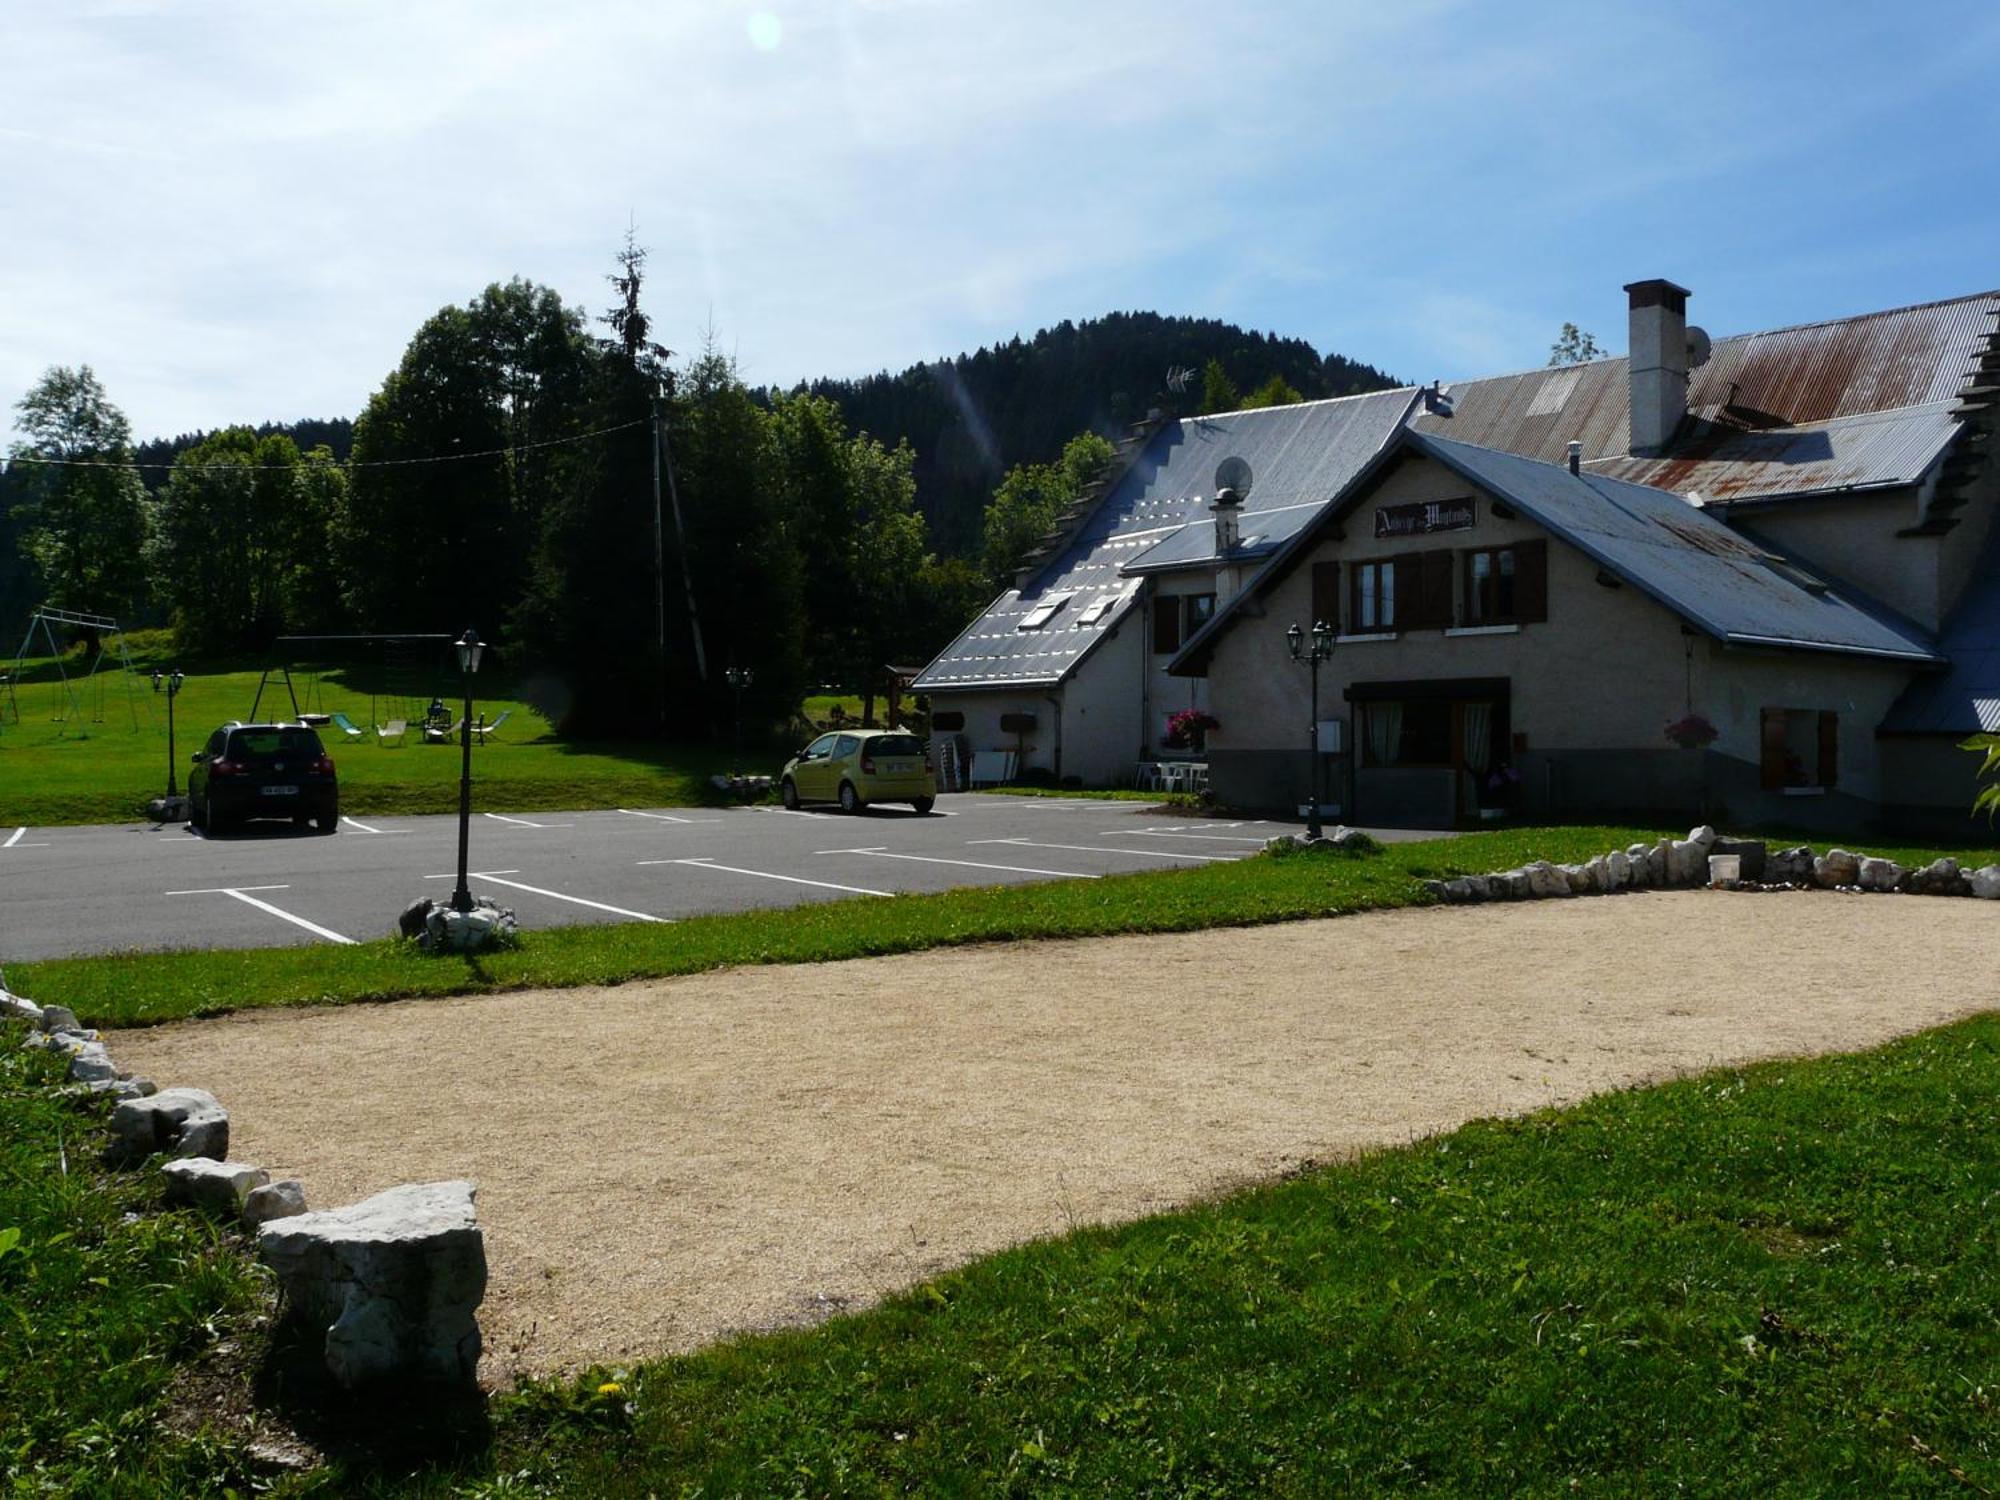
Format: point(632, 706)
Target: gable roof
point(1712, 577)
point(1852, 404)
point(1155, 518)
point(1965, 697)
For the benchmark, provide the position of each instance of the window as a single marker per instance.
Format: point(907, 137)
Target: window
point(1801, 749)
point(1097, 609)
point(1507, 585)
point(1043, 612)
point(1166, 623)
point(1372, 595)
point(1200, 610)
point(819, 749)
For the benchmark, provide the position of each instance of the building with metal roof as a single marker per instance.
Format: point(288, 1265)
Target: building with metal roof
point(1826, 489)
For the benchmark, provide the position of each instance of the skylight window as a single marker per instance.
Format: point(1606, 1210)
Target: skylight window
point(1043, 612)
point(1097, 609)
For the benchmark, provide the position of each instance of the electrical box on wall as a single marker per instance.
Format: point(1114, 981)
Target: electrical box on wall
point(1329, 737)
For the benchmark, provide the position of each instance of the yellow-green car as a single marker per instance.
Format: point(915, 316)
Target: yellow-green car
point(855, 767)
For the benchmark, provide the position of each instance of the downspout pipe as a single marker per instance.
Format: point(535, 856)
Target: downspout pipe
point(1057, 705)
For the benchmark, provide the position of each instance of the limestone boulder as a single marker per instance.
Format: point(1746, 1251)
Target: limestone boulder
point(217, 1187)
point(1618, 865)
point(274, 1200)
point(1941, 877)
point(394, 1282)
point(60, 1018)
point(89, 1062)
point(1544, 879)
point(19, 1008)
point(1985, 882)
point(1705, 837)
point(1687, 864)
point(1878, 874)
point(176, 1122)
point(1835, 868)
point(1793, 866)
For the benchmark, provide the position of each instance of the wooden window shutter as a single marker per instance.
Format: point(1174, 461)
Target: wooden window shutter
point(1326, 595)
point(1829, 748)
point(1409, 589)
point(1436, 590)
point(1531, 581)
point(1166, 623)
point(1772, 728)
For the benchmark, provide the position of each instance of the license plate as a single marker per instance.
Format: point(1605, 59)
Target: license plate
point(897, 768)
point(281, 791)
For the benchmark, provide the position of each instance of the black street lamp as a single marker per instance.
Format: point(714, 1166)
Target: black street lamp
point(171, 681)
point(1322, 648)
point(470, 648)
point(739, 679)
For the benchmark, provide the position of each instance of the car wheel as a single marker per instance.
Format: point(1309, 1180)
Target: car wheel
point(328, 822)
point(789, 794)
point(850, 800)
point(924, 804)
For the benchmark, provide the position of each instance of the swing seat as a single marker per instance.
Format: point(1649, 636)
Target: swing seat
point(392, 732)
point(442, 734)
point(482, 730)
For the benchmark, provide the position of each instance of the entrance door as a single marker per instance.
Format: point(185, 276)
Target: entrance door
point(1433, 754)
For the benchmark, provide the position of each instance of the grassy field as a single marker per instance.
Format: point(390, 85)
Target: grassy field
point(144, 989)
point(103, 772)
point(1777, 1280)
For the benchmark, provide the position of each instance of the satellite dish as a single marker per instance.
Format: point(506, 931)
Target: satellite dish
point(1699, 348)
point(1233, 474)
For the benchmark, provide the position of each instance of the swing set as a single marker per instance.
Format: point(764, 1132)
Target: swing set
point(398, 690)
point(79, 699)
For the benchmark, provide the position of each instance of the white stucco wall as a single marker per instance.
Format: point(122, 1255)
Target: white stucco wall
point(1608, 670)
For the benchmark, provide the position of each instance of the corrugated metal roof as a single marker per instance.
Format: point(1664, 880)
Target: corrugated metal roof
point(1690, 562)
point(1965, 698)
point(1301, 457)
point(1783, 412)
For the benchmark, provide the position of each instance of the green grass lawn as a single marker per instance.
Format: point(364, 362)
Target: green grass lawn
point(1776, 1280)
point(103, 772)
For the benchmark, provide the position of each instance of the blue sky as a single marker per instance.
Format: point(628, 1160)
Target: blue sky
point(239, 211)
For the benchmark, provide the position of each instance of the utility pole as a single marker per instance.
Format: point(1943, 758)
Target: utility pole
point(659, 557)
point(662, 453)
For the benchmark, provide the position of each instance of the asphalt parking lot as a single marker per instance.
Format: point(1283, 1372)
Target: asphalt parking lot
point(70, 891)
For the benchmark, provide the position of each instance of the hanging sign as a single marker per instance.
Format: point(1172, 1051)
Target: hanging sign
point(1424, 517)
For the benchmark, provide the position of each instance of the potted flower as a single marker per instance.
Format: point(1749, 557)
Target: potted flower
point(1188, 730)
point(1692, 732)
point(1498, 792)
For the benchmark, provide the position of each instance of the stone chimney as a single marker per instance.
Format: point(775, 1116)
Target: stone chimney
point(1658, 362)
point(1226, 507)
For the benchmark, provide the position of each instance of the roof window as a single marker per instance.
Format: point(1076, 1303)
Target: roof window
point(1097, 609)
point(1043, 612)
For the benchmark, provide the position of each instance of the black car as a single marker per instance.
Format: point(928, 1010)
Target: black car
point(263, 771)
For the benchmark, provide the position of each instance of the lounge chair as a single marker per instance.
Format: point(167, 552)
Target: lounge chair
point(442, 734)
point(345, 726)
point(392, 732)
point(481, 730)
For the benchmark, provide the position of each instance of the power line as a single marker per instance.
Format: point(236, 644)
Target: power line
point(374, 463)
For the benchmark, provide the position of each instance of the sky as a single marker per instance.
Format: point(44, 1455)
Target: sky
point(238, 211)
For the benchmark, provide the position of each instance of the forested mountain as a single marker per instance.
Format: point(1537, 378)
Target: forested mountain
point(335, 433)
point(970, 419)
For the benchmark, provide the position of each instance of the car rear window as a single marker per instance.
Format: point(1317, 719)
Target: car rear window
point(270, 744)
point(898, 744)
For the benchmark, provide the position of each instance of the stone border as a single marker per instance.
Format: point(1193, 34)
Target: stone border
point(394, 1281)
point(1698, 860)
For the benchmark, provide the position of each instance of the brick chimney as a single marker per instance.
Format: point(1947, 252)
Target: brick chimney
point(1658, 362)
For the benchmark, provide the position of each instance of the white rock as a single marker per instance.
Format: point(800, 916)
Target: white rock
point(1836, 867)
point(394, 1280)
point(1704, 836)
point(1687, 863)
point(89, 1062)
point(1985, 882)
point(20, 1009)
point(1618, 865)
point(219, 1187)
point(1544, 879)
point(59, 1018)
point(1600, 873)
point(179, 1122)
point(1878, 874)
point(275, 1200)
point(1579, 878)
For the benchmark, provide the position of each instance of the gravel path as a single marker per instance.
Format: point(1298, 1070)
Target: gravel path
point(660, 1164)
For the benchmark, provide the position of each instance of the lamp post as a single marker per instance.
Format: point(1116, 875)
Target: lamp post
point(1321, 649)
point(171, 681)
point(739, 679)
point(470, 648)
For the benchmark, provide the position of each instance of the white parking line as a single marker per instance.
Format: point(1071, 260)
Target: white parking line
point(665, 817)
point(523, 822)
point(453, 875)
point(1101, 849)
point(15, 842)
point(368, 827)
point(241, 894)
point(966, 864)
point(789, 812)
point(825, 885)
point(1169, 833)
point(535, 890)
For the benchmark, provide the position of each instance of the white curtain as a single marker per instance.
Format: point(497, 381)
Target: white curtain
point(1478, 739)
point(1385, 733)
